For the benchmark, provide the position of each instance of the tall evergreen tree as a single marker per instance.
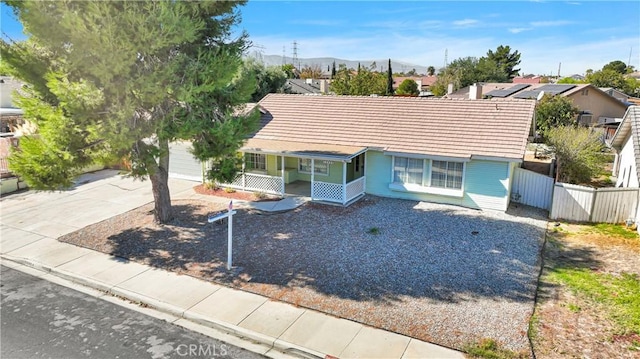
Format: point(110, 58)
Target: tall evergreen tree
point(389, 80)
point(505, 60)
point(114, 79)
point(333, 70)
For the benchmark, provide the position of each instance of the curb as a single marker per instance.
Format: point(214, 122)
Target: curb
point(268, 342)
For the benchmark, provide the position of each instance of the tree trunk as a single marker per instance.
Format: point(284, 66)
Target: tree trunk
point(160, 186)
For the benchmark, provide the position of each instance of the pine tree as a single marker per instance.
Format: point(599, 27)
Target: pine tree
point(122, 80)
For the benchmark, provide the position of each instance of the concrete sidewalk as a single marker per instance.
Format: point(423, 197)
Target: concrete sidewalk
point(31, 221)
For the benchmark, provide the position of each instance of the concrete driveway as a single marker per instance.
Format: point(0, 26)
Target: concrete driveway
point(31, 216)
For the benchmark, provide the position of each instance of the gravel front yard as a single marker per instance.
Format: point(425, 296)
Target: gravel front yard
point(438, 273)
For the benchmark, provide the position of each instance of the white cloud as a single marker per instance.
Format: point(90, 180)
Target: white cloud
point(551, 23)
point(517, 30)
point(465, 22)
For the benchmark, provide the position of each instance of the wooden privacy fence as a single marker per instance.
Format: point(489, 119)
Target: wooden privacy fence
point(585, 204)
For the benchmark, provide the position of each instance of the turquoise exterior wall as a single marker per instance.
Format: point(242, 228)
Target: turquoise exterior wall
point(486, 183)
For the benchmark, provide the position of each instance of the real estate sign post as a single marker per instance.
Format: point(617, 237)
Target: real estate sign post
point(229, 214)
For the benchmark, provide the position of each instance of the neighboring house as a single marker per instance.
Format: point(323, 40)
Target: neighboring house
point(307, 86)
point(424, 83)
point(621, 96)
point(528, 79)
point(626, 142)
point(596, 106)
point(10, 115)
point(337, 148)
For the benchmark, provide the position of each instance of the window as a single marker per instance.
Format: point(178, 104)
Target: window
point(585, 118)
point(255, 161)
point(446, 174)
point(320, 167)
point(408, 170)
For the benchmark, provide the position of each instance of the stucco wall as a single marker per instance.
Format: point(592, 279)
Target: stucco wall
point(598, 104)
point(486, 183)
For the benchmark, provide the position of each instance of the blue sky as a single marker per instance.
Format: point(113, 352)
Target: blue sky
point(579, 34)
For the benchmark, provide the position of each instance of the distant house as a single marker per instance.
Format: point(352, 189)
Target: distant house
point(424, 83)
point(528, 79)
point(621, 96)
point(626, 142)
point(596, 106)
point(337, 148)
point(307, 86)
point(10, 114)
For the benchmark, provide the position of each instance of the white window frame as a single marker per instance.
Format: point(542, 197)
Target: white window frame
point(250, 161)
point(426, 185)
point(447, 174)
point(393, 171)
point(325, 163)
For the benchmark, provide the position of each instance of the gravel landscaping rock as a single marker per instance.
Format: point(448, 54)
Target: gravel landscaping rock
point(442, 274)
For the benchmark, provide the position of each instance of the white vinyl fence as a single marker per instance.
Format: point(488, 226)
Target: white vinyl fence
point(532, 188)
point(585, 204)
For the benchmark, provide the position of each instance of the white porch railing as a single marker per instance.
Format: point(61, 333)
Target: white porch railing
point(257, 182)
point(336, 192)
point(324, 191)
point(354, 189)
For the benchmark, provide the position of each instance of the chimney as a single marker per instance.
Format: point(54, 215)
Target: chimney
point(449, 89)
point(475, 92)
point(323, 86)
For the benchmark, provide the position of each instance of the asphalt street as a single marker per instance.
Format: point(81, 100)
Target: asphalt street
point(41, 319)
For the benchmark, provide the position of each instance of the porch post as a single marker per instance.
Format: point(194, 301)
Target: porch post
point(243, 167)
point(313, 170)
point(364, 171)
point(344, 182)
point(282, 172)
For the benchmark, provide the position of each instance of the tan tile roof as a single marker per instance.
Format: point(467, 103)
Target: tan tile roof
point(428, 126)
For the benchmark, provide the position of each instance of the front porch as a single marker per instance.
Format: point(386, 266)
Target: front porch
point(323, 174)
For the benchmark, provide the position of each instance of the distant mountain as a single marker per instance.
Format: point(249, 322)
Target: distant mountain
point(325, 63)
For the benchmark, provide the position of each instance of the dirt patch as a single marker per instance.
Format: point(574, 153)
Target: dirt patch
point(234, 194)
point(569, 324)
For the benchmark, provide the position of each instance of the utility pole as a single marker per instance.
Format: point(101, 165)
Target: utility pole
point(446, 53)
point(295, 55)
point(559, 65)
point(283, 56)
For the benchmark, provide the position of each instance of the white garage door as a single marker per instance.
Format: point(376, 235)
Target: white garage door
point(182, 164)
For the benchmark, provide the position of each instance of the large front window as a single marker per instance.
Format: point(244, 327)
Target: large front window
point(445, 174)
point(408, 170)
point(320, 166)
point(256, 161)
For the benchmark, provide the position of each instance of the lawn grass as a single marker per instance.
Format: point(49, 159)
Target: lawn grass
point(490, 349)
point(614, 230)
point(619, 296)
